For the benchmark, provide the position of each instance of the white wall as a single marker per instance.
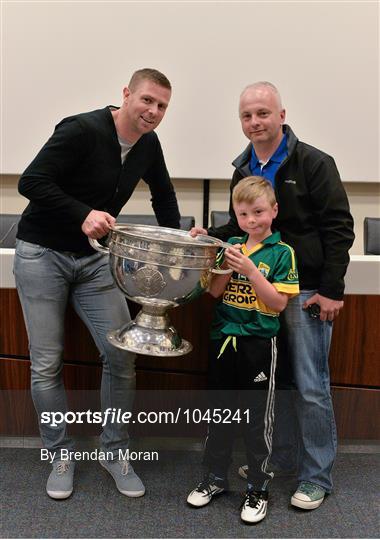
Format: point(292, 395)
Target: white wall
point(60, 58)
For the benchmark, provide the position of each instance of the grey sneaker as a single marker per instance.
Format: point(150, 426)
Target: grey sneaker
point(308, 496)
point(60, 481)
point(127, 481)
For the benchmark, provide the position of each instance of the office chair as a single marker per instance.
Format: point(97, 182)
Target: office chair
point(371, 236)
point(219, 218)
point(8, 229)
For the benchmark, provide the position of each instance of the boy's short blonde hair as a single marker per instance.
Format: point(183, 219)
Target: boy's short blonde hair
point(252, 187)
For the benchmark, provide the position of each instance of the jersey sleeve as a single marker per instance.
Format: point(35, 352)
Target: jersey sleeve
point(285, 275)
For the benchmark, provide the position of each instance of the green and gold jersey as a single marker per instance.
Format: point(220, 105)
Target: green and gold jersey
point(241, 312)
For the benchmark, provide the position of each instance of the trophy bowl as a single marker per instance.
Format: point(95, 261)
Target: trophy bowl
point(159, 268)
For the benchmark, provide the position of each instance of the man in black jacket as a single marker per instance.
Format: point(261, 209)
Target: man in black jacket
point(77, 185)
point(314, 218)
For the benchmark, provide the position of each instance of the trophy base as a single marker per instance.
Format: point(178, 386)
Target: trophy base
point(149, 341)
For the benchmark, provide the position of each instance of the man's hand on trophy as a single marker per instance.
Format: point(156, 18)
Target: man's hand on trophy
point(97, 224)
point(194, 231)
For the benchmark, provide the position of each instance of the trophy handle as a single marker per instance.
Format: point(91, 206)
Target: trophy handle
point(220, 271)
point(98, 247)
point(224, 245)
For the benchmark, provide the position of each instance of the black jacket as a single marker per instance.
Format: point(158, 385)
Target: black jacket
point(314, 216)
point(79, 169)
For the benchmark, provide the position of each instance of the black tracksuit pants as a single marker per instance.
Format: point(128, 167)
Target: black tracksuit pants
point(243, 379)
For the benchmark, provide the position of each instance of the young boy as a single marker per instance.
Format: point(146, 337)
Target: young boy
point(243, 346)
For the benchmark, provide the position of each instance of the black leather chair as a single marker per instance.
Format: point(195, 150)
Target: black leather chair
point(8, 229)
point(9, 224)
point(187, 222)
point(219, 218)
point(371, 236)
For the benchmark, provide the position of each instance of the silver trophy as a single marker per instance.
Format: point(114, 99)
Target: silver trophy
point(159, 268)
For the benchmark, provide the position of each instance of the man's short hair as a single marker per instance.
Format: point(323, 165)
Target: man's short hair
point(150, 75)
point(251, 188)
point(265, 84)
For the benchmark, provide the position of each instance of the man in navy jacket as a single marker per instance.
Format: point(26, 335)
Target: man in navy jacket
point(313, 218)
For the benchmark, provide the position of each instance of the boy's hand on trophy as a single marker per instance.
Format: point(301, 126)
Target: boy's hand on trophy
point(237, 261)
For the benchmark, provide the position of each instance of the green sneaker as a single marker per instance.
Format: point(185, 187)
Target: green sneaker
point(308, 496)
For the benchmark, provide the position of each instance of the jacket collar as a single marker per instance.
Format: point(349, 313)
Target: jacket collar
point(242, 161)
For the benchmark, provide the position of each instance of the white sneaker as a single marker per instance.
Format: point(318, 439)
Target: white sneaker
point(254, 506)
point(205, 491)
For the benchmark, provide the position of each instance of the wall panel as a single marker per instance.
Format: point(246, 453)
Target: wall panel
point(171, 382)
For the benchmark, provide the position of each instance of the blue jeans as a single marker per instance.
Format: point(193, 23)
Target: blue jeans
point(46, 280)
point(308, 343)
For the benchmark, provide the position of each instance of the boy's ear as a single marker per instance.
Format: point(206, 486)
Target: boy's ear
point(275, 210)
